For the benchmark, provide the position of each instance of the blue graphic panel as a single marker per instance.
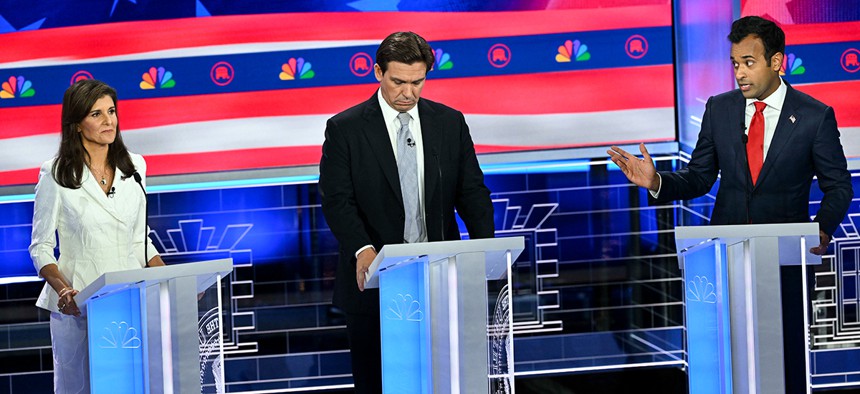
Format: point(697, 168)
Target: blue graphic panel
point(117, 345)
point(816, 63)
point(405, 321)
point(707, 318)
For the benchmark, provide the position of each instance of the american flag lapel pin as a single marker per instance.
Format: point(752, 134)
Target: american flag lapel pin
point(792, 118)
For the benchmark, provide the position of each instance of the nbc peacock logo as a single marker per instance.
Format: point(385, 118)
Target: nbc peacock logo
point(17, 87)
point(157, 78)
point(296, 69)
point(792, 66)
point(572, 50)
point(443, 60)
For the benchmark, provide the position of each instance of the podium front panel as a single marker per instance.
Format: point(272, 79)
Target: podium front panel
point(156, 330)
point(405, 324)
point(707, 319)
point(116, 343)
point(440, 334)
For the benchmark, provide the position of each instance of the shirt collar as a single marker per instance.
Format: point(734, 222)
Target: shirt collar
point(389, 114)
point(776, 99)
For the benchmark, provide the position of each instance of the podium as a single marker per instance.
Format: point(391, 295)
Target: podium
point(732, 300)
point(143, 333)
point(441, 332)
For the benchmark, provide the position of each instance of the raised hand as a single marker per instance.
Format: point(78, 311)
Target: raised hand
point(640, 171)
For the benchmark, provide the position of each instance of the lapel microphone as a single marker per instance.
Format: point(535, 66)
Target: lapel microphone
point(112, 192)
point(410, 143)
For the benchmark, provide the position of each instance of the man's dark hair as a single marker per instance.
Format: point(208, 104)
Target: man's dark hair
point(770, 34)
point(404, 47)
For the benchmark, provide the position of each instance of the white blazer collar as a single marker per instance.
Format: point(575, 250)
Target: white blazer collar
point(91, 186)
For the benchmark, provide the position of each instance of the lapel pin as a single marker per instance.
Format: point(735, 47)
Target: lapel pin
point(792, 118)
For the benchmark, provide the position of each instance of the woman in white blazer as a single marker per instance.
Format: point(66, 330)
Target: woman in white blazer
point(88, 196)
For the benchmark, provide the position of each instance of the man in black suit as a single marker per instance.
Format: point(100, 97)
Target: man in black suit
point(766, 170)
point(367, 200)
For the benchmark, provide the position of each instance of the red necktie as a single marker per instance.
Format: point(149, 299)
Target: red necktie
point(755, 143)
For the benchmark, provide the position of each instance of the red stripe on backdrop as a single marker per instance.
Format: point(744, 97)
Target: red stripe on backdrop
point(609, 89)
point(114, 39)
point(191, 163)
point(19, 177)
point(821, 33)
point(525, 94)
point(840, 96)
point(479, 148)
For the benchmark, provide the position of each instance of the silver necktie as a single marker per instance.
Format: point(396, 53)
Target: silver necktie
point(407, 168)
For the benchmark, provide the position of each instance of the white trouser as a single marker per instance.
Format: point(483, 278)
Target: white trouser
point(71, 356)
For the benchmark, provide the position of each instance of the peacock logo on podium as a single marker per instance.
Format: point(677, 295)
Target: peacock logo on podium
point(701, 290)
point(120, 336)
point(404, 307)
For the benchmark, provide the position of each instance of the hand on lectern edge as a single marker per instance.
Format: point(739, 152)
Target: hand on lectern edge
point(155, 261)
point(821, 249)
point(362, 263)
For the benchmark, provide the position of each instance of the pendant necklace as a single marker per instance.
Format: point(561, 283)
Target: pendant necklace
point(101, 175)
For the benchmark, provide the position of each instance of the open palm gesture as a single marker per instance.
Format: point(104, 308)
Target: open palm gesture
point(640, 171)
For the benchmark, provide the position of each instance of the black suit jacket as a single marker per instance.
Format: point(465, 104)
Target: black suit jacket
point(360, 188)
point(805, 146)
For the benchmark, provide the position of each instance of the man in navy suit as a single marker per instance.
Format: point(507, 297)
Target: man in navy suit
point(362, 196)
point(766, 170)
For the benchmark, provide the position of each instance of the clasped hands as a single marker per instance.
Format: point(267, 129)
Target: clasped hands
point(66, 303)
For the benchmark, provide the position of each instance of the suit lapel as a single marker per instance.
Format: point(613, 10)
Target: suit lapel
point(431, 140)
point(91, 187)
point(735, 116)
point(376, 132)
point(788, 118)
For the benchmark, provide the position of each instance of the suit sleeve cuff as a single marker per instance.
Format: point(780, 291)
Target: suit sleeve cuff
point(659, 186)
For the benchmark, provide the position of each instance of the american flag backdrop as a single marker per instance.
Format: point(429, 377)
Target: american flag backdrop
point(246, 91)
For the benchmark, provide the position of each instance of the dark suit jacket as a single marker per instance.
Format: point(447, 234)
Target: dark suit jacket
point(360, 187)
point(807, 146)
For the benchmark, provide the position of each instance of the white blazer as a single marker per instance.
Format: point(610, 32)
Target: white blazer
point(97, 233)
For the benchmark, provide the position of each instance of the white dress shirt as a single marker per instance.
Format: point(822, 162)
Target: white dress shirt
point(771, 114)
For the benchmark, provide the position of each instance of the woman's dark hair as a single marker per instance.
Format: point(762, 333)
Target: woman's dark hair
point(404, 47)
point(770, 34)
point(72, 157)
